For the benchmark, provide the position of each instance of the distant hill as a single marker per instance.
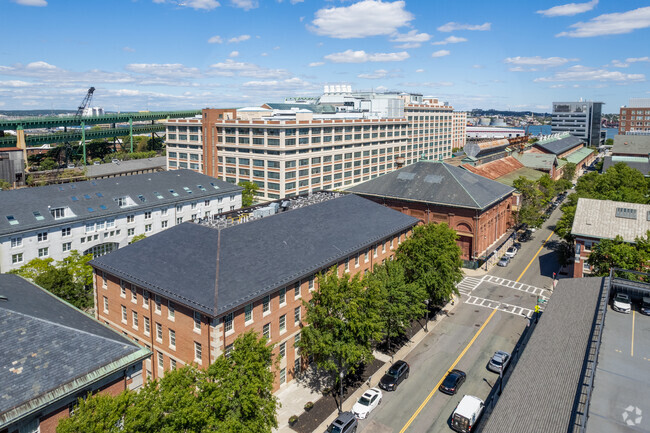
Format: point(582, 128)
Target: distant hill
point(29, 113)
point(478, 112)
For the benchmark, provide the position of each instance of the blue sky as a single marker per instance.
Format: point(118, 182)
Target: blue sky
point(188, 54)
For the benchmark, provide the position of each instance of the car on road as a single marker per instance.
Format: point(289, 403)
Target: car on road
point(622, 303)
point(505, 261)
point(517, 245)
point(511, 252)
point(366, 403)
point(394, 376)
point(525, 236)
point(346, 422)
point(499, 361)
point(452, 382)
point(467, 414)
point(645, 306)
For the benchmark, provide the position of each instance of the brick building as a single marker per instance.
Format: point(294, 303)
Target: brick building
point(632, 150)
point(566, 148)
point(53, 354)
point(605, 219)
point(479, 209)
point(635, 119)
point(201, 286)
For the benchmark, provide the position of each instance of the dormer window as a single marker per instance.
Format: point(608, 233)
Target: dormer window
point(58, 213)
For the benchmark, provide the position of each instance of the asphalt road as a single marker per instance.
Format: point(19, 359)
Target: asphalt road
point(490, 318)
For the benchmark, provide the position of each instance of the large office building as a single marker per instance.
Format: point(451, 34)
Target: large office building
point(635, 118)
point(99, 216)
point(581, 119)
point(252, 276)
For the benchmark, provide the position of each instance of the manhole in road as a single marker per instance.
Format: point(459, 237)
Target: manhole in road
point(500, 296)
point(478, 325)
point(476, 311)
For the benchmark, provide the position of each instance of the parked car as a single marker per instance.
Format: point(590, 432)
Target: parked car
point(525, 236)
point(366, 403)
point(622, 303)
point(511, 252)
point(346, 422)
point(505, 261)
point(499, 361)
point(645, 306)
point(467, 414)
point(394, 376)
point(452, 382)
point(517, 245)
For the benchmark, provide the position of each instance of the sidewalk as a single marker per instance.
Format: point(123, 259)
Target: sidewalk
point(294, 396)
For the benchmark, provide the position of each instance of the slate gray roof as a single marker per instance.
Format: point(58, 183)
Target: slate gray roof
point(559, 146)
point(315, 108)
point(631, 145)
point(539, 396)
point(50, 349)
point(538, 161)
point(93, 194)
point(636, 162)
point(438, 183)
point(216, 270)
point(597, 219)
point(116, 168)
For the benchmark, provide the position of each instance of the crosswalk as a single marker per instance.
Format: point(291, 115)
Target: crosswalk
point(501, 306)
point(515, 285)
point(468, 284)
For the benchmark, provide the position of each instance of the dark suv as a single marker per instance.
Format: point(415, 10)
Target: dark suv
point(346, 422)
point(394, 376)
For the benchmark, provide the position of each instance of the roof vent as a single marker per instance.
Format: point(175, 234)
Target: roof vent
point(627, 213)
point(432, 178)
point(406, 176)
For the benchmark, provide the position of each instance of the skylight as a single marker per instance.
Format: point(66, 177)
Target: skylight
point(99, 194)
point(74, 198)
point(157, 194)
point(175, 194)
point(38, 216)
point(61, 188)
point(141, 197)
point(91, 209)
point(187, 190)
point(213, 185)
point(625, 212)
point(101, 206)
point(13, 221)
point(201, 187)
point(86, 196)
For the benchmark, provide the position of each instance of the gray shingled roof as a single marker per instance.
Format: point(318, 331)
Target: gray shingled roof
point(600, 219)
point(437, 183)
point(93, 194)
point(540, 393)
point(50, 349)
point(538, 161)
point(631, 144)
point(216, 270)
point(636, 162)
point(114, 168)
point(560, 146)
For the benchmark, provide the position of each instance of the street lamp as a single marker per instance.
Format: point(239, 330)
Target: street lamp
point(341, 375)
point(426, 316)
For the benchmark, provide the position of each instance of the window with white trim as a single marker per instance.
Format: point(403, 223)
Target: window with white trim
point(122, 289)
point(42, 236)
point(248, 313)
point(158, 304)
point(134, 318)
point(296, 316)
point(172, 363)
point(171, 310)
point(283, 375)
point(105, 304)
point(147, 325)
point(104, 282)
point(228, 324)
point(283, 350)
point(145, 298)
point(43, 252)
point(159, 332)
point(16, 242)
point(282, 296)
point(197, 322)
point(198, 352)
point(266, 304)
point(283, 323)
point(356, 261)
point(266, 331)
point(124, 314)
point(16, 258)
point(311, 283)
point(161, 360)
point(172, 339)
point(134, 294)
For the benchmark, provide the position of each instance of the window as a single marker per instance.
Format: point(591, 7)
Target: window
point(197, 321)
point(130, 218)
point(66, 231)
point(266, 331)
point(42, 236)
point(346, 265)
point(296, 316)
point(266, 304)
point(147, 326)
point(145, 298)
point(130, 232)
point(296, 290)
point(283, 375)
point(228, 351)
point(248, 313)
point(158, 304)
point(161, 360)
point(311, 283)
point(172, 363)
point(179, 220)
point(134, 294)
point(124, 314)
point(105, 304)
point(16, 242)
point(228, 325)
point(171, 310)
point(356, 261)
point(163, 224)
point(172, 339)
point(159, 332)
point(296, 366)
point(43, 252)
point(283, 323)
point(282, 296)
point(16, 258)
point(366, 257)
point(66, 246)
point(147, 215)
point(135, 319)
point(197, 352)
point(283, 350)
point(122, 289)
point(147, 228)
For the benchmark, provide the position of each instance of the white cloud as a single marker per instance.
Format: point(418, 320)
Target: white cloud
point(350, 56)
point(207, 5)
point(538, 61)
point(314, 64)
point(411, 36)
point(40, 65)
point(441, 53)
point(637, 59)
point(450, 40)
point(611, 24)
point(163, 69)
point(289, 83)
point(379, 73)
point(230, 68)
point(428, 84)
point(419, 70)
point(452, 26)
point(128, 49)
point(241, 38)
point(16, 83)
point(569, 9)
point(478, 66)
point(293, 2)
point(245, 4)
point(584, 73)
point(31, 2)
point(362, 19)
point(215, 40)
point(619, 64)
point(234, 54)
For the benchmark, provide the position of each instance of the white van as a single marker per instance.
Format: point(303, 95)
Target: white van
point(467, 414)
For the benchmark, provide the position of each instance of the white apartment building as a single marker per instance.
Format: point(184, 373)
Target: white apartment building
point(580, 119)
point(184, 144)
point(99, 216)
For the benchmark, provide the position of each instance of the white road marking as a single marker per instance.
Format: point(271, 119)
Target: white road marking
point(515, 285)
point(501, 306)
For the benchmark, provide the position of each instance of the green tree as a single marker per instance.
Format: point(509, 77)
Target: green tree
point(617, 253)
point(344, 322)
point(431, 260)
point(100, 413)
point(248, 194)
point(609, 142)
point(137, 238)
point(569, 171)
point(4, 185)
point(48, 164)
point(400, 302)
point(530, 210)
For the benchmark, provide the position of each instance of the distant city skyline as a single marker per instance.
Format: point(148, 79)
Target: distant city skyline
point(168, 54)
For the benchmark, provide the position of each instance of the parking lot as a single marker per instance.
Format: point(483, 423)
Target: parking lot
point(621, 396)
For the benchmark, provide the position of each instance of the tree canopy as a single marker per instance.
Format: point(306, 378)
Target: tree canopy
point(617, 253)
point(248, 194)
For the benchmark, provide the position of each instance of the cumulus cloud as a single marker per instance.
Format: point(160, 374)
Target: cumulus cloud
point(16, 83)
point(452, 26)
point(362, 19)
point(569, 9)
point(231, 68)
point(637, 59)
point(538, 61)
point(419, 70)
point(215, 40)
point(164, 69)
point(441, 53)
point(428, 84)
point(411, 36)
point(314, 64)
point(234, 54)
point(584, 73)
point(619, 64)
point(207, 5)
point(240, 38)
point(379, 73)
point(610, 24)
point(40, 3)
point(289, 83)
point(351, 56)
point(450, 40)
point(245, 4)
point(128, 49)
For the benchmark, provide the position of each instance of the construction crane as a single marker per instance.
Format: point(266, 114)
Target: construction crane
point(85, 103)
